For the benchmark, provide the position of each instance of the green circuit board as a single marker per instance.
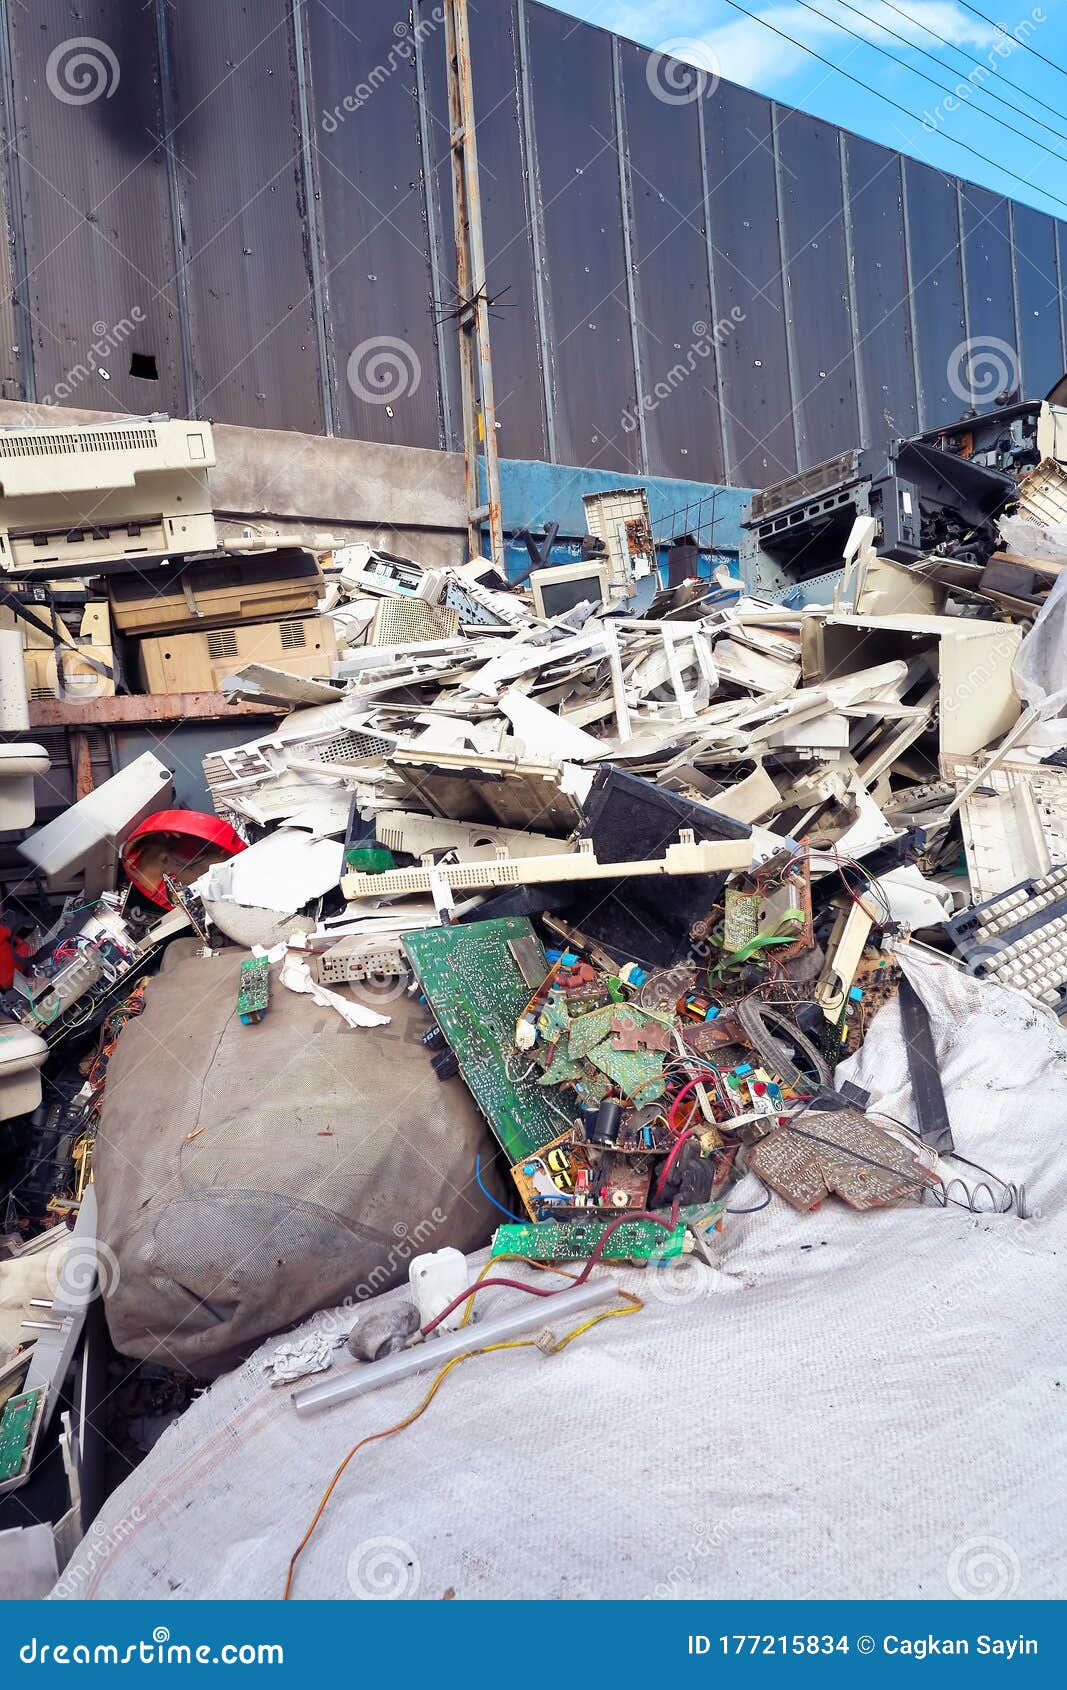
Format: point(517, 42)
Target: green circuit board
point(476, 993)
point(16, 1427)
point(254, 994)
point(571, 1241)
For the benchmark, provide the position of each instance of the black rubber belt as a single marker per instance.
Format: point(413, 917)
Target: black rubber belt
point(927, 1092)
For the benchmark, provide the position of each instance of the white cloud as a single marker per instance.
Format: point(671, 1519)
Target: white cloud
point(751, 53)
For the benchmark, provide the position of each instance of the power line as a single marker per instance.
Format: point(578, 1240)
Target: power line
point(934, 60)
point(999, 27)
point(953, 140)
point(1055, 110)
point(895, 59)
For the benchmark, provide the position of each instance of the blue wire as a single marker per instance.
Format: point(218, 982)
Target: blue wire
point(494, 1201)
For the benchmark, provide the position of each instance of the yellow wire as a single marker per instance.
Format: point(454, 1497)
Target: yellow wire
point(510, 1344)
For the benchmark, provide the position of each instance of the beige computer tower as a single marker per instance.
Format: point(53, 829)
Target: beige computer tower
point(200, 662)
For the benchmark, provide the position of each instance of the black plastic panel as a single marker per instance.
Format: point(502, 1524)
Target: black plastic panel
point(378, 295)
point(1038, 294)
point(816, 260)
point(95, 208)
point(994, 372)
point(669, 247)
point(937, 289)
point(880, 280)
point(509, 259)
point(747, 266)
point(578, 168)
point(237, 142)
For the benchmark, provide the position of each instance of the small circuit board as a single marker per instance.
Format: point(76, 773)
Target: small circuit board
point(476, 991)
point(16, 1430)
point(254, 995)
point(572, 1241)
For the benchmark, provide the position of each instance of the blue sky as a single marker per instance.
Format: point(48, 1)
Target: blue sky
point(715, 36)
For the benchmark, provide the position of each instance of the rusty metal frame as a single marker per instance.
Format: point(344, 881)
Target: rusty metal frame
point(472, 315)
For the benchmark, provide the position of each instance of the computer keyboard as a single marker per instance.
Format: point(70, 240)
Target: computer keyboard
point(1019, 938)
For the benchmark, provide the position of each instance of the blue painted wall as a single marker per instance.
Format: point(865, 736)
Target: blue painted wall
point(533, 494)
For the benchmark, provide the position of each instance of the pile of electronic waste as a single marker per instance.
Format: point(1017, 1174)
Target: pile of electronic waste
point(650, 847)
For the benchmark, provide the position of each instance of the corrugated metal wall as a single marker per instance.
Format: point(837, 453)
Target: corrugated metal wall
point(242, 209)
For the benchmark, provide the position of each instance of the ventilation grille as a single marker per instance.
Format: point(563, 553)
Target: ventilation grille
point(78, 443)
point(222, 642)
point(293, 636)
point(37, 694)
point(347, 747)
point(399, 620)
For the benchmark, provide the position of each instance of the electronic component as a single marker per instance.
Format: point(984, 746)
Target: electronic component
point(80, 495)
point(686, 857)
point(840, 1151)
point(559, 1174)
point(476, 993)
point(560, 587)
point(620, 519)
point(562, 1241)
point(16, 1432)
point(851, 932)
point(923, 500)
point(254, 995)
point(1019, 938)
point(405, 830)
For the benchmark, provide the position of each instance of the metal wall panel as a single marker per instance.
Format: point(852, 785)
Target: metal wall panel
point(936, 288)
point(238, 173)
point(94, 216)
point(747, 270)
point(669, 250)
point(1037, 287)
point(578, 179)
point(817, 290)
point(378, 301)
point(256, 199)
point(993, 357)
point(880, 290)
point(509, 250)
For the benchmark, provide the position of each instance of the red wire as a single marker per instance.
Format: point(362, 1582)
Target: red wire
point(686, 1089)
point(535, 1290)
